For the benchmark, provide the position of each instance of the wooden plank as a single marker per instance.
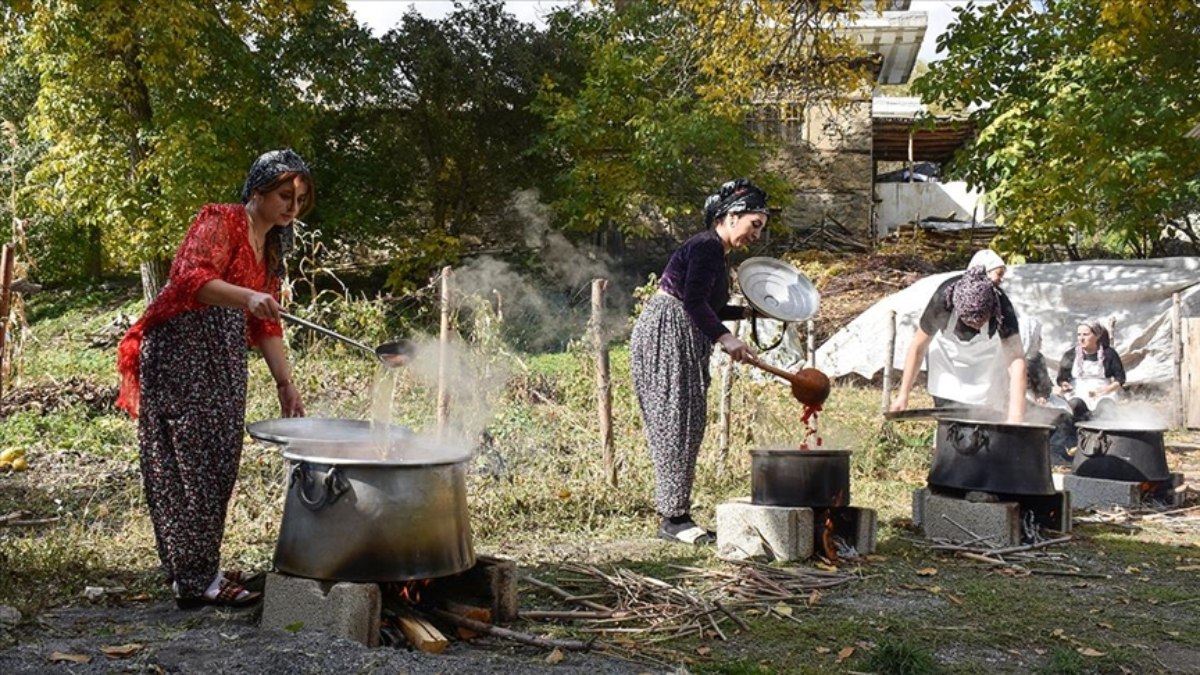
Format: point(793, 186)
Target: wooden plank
point(6, 275)
point(1189, 380)
point(473, 612)
point(421, 634)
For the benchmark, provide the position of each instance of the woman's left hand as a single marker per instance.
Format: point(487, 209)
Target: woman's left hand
point(290, 404)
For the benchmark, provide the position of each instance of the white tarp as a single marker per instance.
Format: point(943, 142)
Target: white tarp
point(1137, 294)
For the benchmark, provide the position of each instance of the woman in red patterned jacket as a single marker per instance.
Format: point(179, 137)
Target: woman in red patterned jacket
point(183, 370)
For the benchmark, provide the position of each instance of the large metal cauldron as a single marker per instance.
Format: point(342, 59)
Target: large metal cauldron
point(365, 507)
point(792, 477)
point(1122, 451)
point(992, 457)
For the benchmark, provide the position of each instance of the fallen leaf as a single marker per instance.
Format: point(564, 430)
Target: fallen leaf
point(814, 597)
point(1188, 568)
point(59, 657)
point(927, 572)
point(1109, 626)
point(955, 599)
point(934, 589)
point(823, 650)
point(1039, 652)
point(122, 651)
point(140, 597)
point(555, 656)
point(703, 650)
point(782, 609)
point(1132, 570)
point(1088, 651)
point(826, 567)
point(874, 557)
point(844, 654)
point(1173, 633)
point(1057, 632)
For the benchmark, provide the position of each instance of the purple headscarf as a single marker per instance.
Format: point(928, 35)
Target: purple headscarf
point(974, 296)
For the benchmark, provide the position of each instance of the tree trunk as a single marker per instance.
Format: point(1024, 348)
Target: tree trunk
point(94, 261)
point(154, 277)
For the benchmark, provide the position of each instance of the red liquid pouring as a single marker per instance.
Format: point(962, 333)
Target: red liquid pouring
point(809, 419)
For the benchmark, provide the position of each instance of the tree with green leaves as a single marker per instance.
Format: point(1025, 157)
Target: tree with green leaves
point(1082, 108)
point(660, 114)
point(148, 109)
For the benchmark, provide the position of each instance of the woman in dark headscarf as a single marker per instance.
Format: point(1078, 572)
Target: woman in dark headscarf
point(671, 344)
point(183, 370)
point(973, 328)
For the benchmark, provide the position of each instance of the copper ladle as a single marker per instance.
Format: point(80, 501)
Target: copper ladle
point(809, 385)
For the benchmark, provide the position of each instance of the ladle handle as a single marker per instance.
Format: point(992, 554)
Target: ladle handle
point(291, 318)
point(772, 369)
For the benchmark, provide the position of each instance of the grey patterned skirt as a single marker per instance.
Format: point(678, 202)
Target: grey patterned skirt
point(190, 426)
point(669, 361)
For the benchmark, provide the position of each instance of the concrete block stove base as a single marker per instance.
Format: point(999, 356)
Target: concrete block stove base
point(747, 531)
point(344, 609)
point(996, 524)
point(1089, 493)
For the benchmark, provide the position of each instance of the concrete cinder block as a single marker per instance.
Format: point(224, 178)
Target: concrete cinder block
point(864, 539)
point(958, 520)
point(339, 608)
point(754, 531)
point(1087, 492)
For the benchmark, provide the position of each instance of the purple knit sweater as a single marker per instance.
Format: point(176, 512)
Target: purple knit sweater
point(697, 275)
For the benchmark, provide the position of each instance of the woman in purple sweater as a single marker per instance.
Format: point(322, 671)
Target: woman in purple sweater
point(673, 340)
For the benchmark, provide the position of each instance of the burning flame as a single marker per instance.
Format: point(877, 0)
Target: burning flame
point(410, 591)
point(828, 545)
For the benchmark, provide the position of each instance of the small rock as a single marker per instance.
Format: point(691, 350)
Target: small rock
point(9, 616)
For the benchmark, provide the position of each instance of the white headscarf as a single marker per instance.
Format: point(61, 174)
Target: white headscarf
point(1031, 335)
point(988, 258)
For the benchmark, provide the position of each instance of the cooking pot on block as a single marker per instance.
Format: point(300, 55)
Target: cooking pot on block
point(1122, 451)
point(793, 477)
point(366, 504)
point(992, 457)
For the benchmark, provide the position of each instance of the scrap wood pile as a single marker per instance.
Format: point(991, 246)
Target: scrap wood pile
point(631, 611)
point(1179, 520)
point(934, 238)
point(46, 397)
point(829, 235)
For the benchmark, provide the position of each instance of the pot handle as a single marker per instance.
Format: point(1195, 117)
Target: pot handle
point(754, 336)
point(964, 443)
point(335, 486)
point(1100, 445)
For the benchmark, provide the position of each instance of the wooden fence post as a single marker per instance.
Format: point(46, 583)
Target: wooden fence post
point(1181, 420)
point(891, 358)
point(6, 275)
point(810, 344)
point(443, 394)
point(728, 373)
point(603, 381)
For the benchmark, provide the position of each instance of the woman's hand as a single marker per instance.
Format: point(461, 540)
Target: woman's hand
point(263, 306)
point(1064, 388)
point(1042, 400)
point(737, 350)
point(289, 400)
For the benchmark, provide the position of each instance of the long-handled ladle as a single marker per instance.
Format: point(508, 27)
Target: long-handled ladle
point(809, 385)
point(391, 354)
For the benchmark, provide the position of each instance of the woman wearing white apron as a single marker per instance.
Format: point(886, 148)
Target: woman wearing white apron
point(969, 329)
point(1091, 374)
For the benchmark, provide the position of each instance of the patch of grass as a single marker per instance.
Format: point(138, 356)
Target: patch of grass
point(898, 657)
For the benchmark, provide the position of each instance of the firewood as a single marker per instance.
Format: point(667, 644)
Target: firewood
point(481, 614)
point(516, 636)
point(421, 634)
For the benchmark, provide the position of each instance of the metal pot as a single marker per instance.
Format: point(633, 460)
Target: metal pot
point(792, 477)
point(365, 508)
point(992, 457)
point(1121, 451)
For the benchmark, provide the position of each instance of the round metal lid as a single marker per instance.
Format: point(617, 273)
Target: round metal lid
point(986, 423)
point(1114, 425)
point(789, 452)
point(777, 289)
point(330, 440)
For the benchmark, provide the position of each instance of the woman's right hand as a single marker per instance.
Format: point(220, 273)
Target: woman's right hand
point(263, 306)
point(738, 350)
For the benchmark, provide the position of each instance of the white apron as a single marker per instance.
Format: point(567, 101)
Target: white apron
point(964, 371)
point(1091, 376)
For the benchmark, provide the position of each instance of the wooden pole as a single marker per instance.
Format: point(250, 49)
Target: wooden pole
point(890, 359)
point(810, 358)
point(443, 397)
point(6, 275)
point(728, 374)
point(603, 381)
point(1177, 358)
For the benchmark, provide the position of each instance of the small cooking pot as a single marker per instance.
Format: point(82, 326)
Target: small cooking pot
point(793, 477)
point(1121, 451)
point(992, 457)
point(368, 505)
